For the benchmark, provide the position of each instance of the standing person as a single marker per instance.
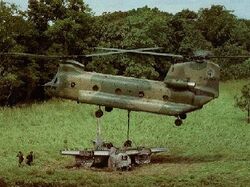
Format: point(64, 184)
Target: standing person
point(20, 158)
point(29, 158)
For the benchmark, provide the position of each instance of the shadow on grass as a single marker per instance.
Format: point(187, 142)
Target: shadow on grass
point(42, 184)
point(185, 159)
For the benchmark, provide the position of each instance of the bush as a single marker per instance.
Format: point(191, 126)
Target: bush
point(236, 71)
point(243, 101)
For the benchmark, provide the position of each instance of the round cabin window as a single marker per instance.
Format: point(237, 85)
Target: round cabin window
point(141, 94)
point(73, 84)
point(118, 91)
point(165, 97)
point(55, 81)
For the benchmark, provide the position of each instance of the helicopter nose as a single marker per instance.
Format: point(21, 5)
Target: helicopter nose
point(50, 88)
point(49, 85)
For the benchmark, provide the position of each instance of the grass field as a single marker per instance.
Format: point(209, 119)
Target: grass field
point(212, 148)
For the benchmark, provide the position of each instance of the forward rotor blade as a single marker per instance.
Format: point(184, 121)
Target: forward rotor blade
point(115, 51)
point(142, 51)
point(103, 54)
point(149, 49)
point(126, 50)
point(157, 54)
point(37, 56)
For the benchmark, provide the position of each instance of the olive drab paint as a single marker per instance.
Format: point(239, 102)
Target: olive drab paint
point(186, 88)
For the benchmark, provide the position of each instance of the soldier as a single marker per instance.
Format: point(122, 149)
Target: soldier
point(29, 158)
point(20, 158)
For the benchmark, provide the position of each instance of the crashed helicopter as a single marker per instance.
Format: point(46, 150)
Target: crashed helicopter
point(107, 155)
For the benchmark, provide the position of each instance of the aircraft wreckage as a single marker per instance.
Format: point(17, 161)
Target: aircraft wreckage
point(107, 155)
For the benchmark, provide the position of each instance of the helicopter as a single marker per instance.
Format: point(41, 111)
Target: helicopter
point(187, 87)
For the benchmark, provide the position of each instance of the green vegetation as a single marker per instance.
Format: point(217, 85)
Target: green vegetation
point(243, 101)
point(66, 27)
point(212, 148)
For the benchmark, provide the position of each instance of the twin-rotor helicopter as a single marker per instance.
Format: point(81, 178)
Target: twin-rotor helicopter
point(187, 86)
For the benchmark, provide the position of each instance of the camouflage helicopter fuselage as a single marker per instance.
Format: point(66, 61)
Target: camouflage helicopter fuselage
point(187, 87)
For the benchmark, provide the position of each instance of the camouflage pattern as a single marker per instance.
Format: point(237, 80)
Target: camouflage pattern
point(187, 87)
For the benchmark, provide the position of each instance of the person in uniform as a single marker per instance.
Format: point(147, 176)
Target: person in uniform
point(29, 158)
point(20, 158)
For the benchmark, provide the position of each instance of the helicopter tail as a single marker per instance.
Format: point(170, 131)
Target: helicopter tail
point(201, 78)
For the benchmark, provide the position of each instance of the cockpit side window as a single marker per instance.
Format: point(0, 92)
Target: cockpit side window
point(55, 80)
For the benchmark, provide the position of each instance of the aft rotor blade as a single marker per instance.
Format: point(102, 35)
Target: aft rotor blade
point(243, 56)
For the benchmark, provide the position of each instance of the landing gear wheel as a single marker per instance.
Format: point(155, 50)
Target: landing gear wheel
point(99, 113)
point(183, 116)
point(108, 109)
point(178, 122)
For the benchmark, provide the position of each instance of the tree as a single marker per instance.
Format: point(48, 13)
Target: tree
point(140, 28)
point(47, 27)
point(243, 101)
point(12, 31)
point(186, 36)
point(216, 24)
point(71, 31)
point(60, 27)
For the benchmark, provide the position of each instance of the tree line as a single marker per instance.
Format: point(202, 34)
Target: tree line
point(67, 27)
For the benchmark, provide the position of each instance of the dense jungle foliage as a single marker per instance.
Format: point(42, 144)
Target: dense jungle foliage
point(65, 27)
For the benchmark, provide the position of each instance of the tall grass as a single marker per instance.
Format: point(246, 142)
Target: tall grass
point(211, 148)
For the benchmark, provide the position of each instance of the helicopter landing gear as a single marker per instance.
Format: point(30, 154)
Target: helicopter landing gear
point(108, 109)
point(128, 124)
point(128, 142)
point(183, 116)
point(99, 113)
point(178, 122)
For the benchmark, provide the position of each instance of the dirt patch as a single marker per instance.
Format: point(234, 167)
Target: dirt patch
point(3, 183)
point(185, 159)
